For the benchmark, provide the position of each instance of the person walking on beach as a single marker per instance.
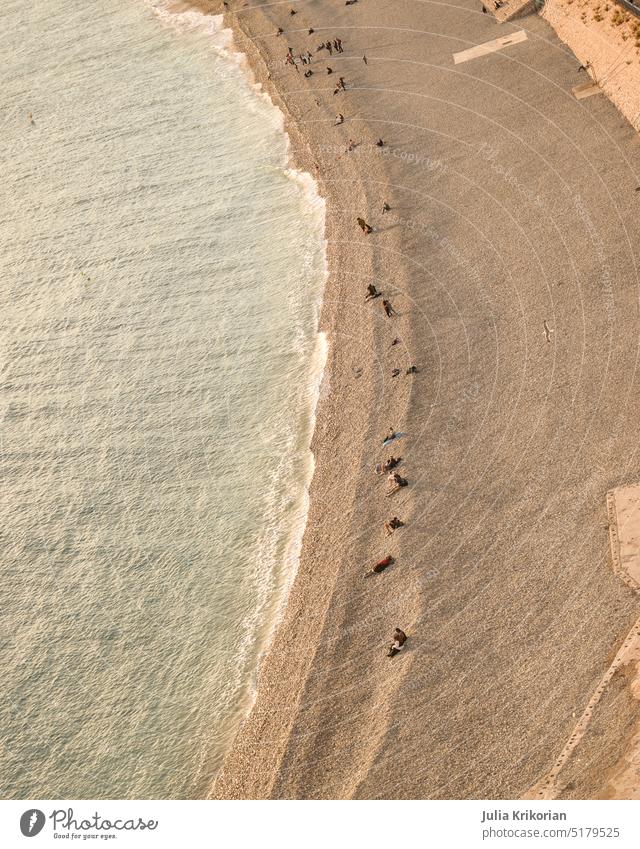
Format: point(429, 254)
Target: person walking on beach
point(388, 308)
point(366, 228)
point(399, 639)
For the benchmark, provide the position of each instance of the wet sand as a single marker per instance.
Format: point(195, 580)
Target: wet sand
point(509, 256)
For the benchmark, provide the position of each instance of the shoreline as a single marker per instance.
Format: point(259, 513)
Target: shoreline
point(303, 159)
point(176, 13)
point(508, 634)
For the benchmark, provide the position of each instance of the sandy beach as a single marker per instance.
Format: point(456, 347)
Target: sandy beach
point(508, 254)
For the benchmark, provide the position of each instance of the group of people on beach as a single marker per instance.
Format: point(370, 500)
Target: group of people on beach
point(395, 481)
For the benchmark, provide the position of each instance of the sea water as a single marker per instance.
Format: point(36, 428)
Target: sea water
point(161, 274)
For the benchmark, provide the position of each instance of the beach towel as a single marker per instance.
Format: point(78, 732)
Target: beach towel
point(390, 439)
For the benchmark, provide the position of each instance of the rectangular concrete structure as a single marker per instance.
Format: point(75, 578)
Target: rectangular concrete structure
point(623, 507)
point(586, 90)
point(489, 47)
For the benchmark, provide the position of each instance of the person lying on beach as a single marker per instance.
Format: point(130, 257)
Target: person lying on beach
point(380, 143)
point(385, 207)
point(372, 292)
point(280, 31)
point(342, 84)
point(395, 372)
point(292, 11)
point(392, 525)
point(395, 483)
point(329, 70)
point(391, 434)
point(391, 463)
point(412, 370)
point(366, 228)
point(380, 566)
point(339, 119)
point(399, 639)
point(308, 73)
point(352, 145)
point(388, 308)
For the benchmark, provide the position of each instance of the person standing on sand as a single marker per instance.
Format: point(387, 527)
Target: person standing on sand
point(366, 228)
point(388, 308)
point(364, 59)
point(385, 207)
point(338, 45)
point(372, 292)
point(329, 47)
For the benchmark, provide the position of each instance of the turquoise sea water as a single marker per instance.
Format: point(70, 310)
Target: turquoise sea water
point(161, 278)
